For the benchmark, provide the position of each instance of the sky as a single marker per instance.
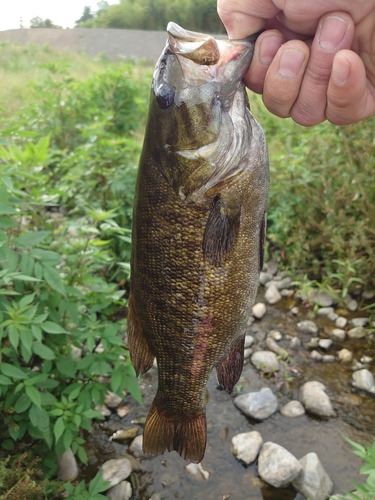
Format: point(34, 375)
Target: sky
point(62, 12)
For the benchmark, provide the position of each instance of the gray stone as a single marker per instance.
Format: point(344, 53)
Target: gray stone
point(316, 401)
point(313, 481)
point(352, 305)
point(277, 466)
point(275, 335)
point(265, 361)
point(285, 292)
point(249, 341)
point(322, 299)
point(364, 379)
point(292, 409)
point(359, 321)
point(323, 311)
point(246, 446)
point(280, 284)
point(325, 343)
point(122, 491)
point(136, 447)
point(368, 294)
point(357, 332)
point(258, 405)
point(345, 355)
point(197, 471)
point(259, 310)
point(106, 412)
point(116, 470)
point(67, 466)
point(338, 334)
point(314, 342)
point(307, 326)
point(356, 365)
point(295, 343)
point(341, 322)
point(316, 356)
point(264, 278)
point(247, 352)
point(328, 358)
point(272, 267)
point(112, 400)
point(272, 295)
point(332, 316)
point(294, 310)
point(366, 360)
point(274, 347)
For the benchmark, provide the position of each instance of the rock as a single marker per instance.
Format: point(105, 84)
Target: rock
point(316, 400)
point(366, 360)
point(67, 466)
point(337, 334)
point(249, 341)
point(314, 342)
point(357, 365)
point(196, 470)
point(313, 481)
point(136, 447)
point(364, 380)
point(325, 343)
point(357, 333)
point(123, 434)
point(308, 326)
point(323, 311)
point(116, 470)
point(272, 295)
point(295, 343)
point(258, 405)
point(332, 316)
point(275, 335)
point(341, 322)
point(259, 310)
point(106, 412)
point(272, 267)
point(265, 361)
point(280, 284)
point(359, 321)
point(274, 347)
point(265, 277)
point(352, 305)
point(155, 496)
point(294, 311)
point(112, 400)
point(247, 352)
point(277, 466)
point(316, 356)
point(328, 358)
point(322, 299)
point(285, 292)
point(246, 446)
point(368, 295)
point(76, 352)
point(345, 355)
point(122, 491)
point(292, 409)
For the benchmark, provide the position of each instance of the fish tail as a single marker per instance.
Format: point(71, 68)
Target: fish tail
point(184, 434)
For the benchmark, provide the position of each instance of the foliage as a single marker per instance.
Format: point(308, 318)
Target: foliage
point(86, 15)
point(38, 22)
point(196, 15)
point(96, 486)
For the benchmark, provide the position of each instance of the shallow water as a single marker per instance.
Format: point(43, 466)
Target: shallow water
point(166, 474)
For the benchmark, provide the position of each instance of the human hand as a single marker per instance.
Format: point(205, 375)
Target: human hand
point(316, 59)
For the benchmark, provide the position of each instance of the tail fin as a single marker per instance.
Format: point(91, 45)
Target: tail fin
point(184, 434)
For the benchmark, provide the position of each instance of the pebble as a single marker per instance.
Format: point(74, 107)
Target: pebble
point(116, 470)
point(265, 361)
point(292, 409)
point(112, 400)
point(316, 356)
point(368, 295)
point(352, 305)
point(272, 295)
point(323, 311)
point(67, 466)
point(259, 310)
point(294, 310)
point(258, 405)
point(338, 334)
point(280, 284)
point(332, 316)
point(106, 412)
point(247, 352)
point(286, 292)
point(307, 326)
point(277, 466)
point(322, 299)
point(122, 491)
point(136, 447)
point(249, 341)
point(328, 358)
point(357, 332)
point(364, 379)
point(122, 411)
point(315, 399)
point(275, 335)
point(359, 321)
point(272, 267)
point(341, 322)
point(345, 355)
point(313, 482)
point(273, 346)
point(366, 360)
point(123, 434)
point(314, 342)
point(325, 343)
point(295, 343)
point(196, 470)
point(265, 277)
point(246, 446)
point(357, 365)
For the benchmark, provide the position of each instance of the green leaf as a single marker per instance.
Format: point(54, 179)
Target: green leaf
point(14, 336)
point(51, 327)
point(31, 239)
point(27, 299)
point(67, 438)
point(59, 428)
point(43, 351)
point(33, 394)
point(37, 332)
point(82, 454)
point(39, 418)
point(26, 341)
point(7, 444)
point(92, 414)
point(47, 257)
point(97, 485)
point(22, 403)
point(53, 278)
point(5, 380)
point(12, 371)
point(67, 368)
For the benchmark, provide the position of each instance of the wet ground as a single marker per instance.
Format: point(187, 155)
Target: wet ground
point(166, 474)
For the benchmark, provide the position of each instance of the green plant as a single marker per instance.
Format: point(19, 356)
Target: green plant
point(96, 486)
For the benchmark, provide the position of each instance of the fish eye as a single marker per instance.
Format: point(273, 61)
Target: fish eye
point(164, 95)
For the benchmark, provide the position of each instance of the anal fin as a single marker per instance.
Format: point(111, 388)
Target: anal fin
point(140, 354)
point(229, 370)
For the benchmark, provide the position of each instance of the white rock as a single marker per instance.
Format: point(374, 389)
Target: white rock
point(277, 466)
point(285, 292)
point(275, 335)
point(341, 322)
point(338, 334)
point(112, 400)
point(316, 356)
point(273, 346)
point(247, 352)
point(67, 466)
point(249, 341)
point(322, 299)
point(356, 365)
point(359, 321)
point(258, 405)
point(332, 316)
point(345, 355)
point(308, 326)
point(280, 284)
point(357, 332)
point(292, 409)
point(272, 267)
point(122, 491)
point(265, 361)
point(364, 379)
point(315, 399)
point(116, 470)
point(294, 310)
point(136, 447)
point(272, 295)
point(196, 470)
point(368, 295)
point(295, 343)
point(328, 358)
point(106, 412)
point(265, 277)
point(366, 360)
point(323, 311)
point(259, 310)
point(352, 305)
point(313, 481)
point(246, 446)
point(325, 343)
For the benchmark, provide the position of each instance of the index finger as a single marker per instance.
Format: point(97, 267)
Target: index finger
point(242, 18)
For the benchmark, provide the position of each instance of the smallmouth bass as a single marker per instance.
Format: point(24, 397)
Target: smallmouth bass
point(198, 233)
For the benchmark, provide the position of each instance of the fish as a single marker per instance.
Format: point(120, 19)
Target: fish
point(199, 224)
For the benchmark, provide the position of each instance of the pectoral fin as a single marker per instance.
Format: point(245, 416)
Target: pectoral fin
point(140, 354)
point(230, 369)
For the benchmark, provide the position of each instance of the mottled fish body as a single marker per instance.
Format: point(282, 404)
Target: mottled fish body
point(198, 233)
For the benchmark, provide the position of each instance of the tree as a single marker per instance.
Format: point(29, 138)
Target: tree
point(38, 22)
point(87, 14)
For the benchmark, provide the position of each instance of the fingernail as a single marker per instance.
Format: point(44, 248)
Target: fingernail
point(268, 48)
point(291, 62)
point(332, 33)
point(340, 71)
